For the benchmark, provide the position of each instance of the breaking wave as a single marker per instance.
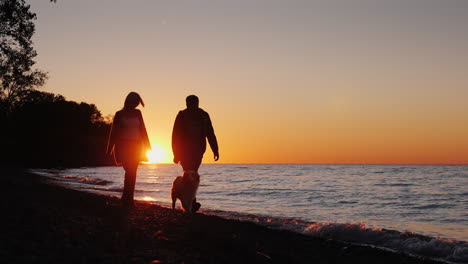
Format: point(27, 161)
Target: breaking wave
point(53, 174)
point(441, 248)
point(358, 233)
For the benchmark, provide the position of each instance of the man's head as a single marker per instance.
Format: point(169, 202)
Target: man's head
point(191, 101)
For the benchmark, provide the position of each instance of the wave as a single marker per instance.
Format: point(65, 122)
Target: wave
point(103, 189)
point(394, 184)
point(92, 181)
point(358, 233)
point(55, 174)
point(446, 249)
point(433, 206)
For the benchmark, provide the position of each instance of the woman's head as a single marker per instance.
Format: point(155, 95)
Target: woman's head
point(133, 100)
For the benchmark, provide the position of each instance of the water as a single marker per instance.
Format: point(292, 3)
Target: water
point(354, 203)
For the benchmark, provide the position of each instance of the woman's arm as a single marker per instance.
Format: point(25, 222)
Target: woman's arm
point(113, 133)
point(144, 133)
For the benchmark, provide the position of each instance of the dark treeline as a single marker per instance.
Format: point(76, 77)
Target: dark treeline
point(45, 130)
point(39, 129)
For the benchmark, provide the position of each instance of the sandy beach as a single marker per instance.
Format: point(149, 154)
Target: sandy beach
point(45, 223)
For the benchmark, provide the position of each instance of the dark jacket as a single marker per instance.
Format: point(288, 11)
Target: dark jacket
point(191, 128)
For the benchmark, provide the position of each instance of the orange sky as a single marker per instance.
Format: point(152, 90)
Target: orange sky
point(283, 81)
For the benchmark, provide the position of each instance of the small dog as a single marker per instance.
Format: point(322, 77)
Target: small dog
point(185, 188)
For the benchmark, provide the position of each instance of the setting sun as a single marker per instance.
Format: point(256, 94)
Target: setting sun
point(158, 155)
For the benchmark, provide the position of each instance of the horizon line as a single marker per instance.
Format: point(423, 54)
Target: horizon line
point(247, 163)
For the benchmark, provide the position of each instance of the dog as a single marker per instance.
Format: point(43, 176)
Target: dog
point(185, 188)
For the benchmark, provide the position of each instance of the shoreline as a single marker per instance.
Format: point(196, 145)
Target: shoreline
point(49, 223)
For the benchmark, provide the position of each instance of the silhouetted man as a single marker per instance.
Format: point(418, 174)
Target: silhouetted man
point(191, 129)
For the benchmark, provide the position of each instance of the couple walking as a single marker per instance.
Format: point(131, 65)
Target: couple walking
point(128, 139)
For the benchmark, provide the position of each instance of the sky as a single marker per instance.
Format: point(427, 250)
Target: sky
point(320, 82)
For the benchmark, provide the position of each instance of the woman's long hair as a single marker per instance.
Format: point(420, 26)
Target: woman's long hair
point(133, 100)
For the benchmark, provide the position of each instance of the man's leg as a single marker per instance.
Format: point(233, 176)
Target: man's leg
point(196, 162)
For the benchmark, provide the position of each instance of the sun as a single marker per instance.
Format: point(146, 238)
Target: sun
point(157, 155)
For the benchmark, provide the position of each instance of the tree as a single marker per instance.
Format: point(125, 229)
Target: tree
point(16, 52)
point(46, 130)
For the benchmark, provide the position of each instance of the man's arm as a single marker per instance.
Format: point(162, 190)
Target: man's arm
point(210, 134)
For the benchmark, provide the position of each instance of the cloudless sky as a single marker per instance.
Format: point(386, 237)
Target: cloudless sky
point(291, 81)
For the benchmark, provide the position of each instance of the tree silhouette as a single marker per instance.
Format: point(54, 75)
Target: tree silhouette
point(46, 130)
point(16, 53)
point(40, 129)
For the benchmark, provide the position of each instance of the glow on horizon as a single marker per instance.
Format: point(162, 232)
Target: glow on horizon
point(158, 155)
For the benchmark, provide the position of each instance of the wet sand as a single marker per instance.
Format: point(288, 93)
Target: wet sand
point(45, 223)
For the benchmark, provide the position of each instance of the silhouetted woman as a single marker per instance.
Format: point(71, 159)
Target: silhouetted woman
point(128, 141)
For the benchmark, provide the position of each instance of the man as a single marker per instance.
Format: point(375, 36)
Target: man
point(191, 129)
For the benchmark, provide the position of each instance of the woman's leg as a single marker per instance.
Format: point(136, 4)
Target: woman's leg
point(129, 182)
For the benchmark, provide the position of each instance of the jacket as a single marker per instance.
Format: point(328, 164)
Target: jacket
point(191, 129)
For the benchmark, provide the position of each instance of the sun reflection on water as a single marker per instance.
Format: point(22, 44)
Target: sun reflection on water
point(148, 199)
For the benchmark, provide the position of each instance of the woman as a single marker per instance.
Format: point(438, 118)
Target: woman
point(128, 142)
